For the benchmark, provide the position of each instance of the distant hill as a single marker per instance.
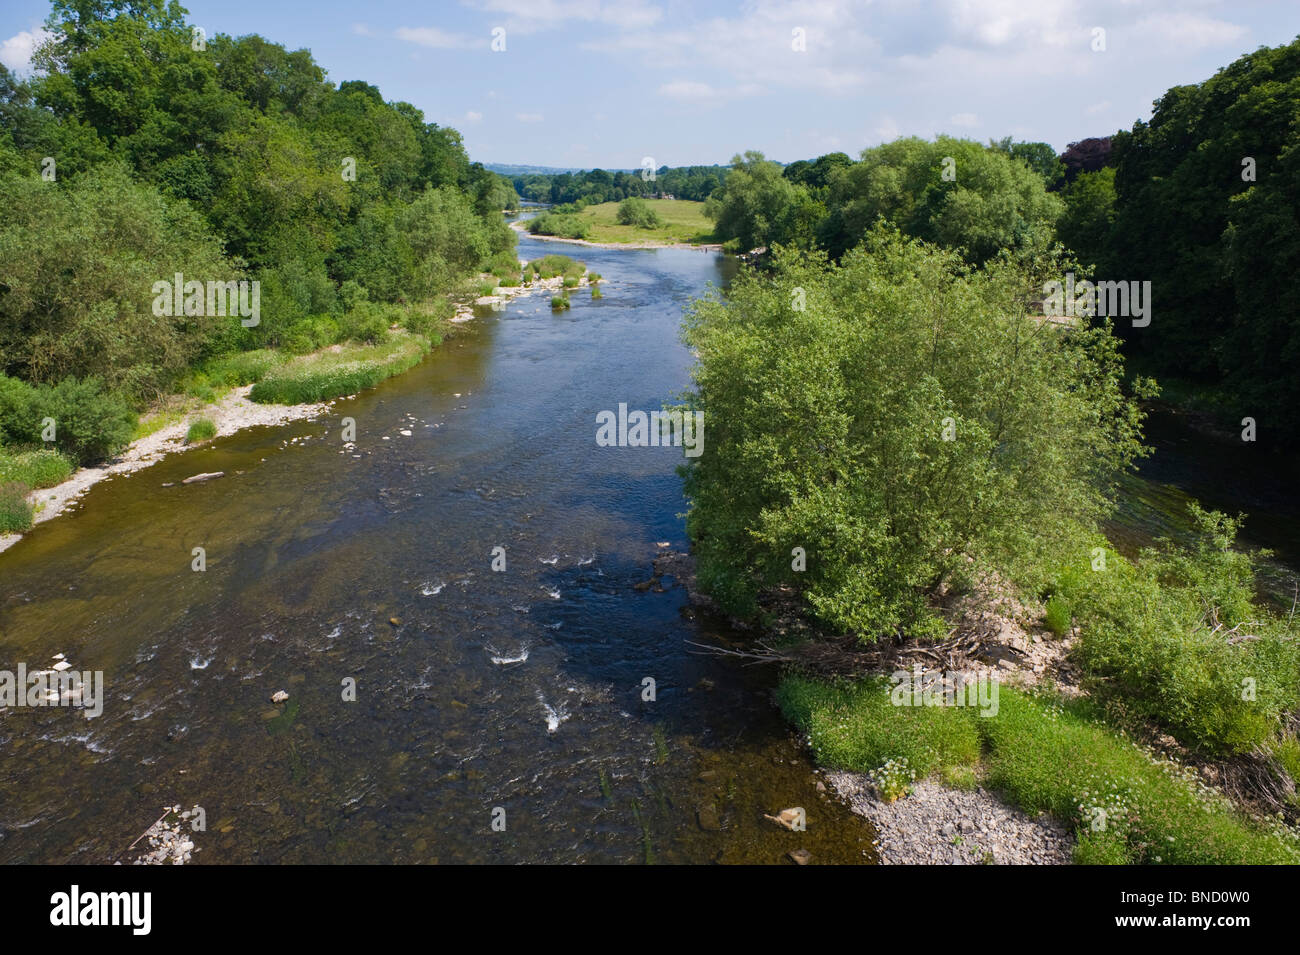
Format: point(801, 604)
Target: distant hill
point(508, 169)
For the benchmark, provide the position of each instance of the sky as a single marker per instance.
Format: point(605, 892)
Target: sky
point(588, 83)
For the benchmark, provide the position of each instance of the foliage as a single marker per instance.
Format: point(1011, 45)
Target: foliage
point(952, 192)
point(635, 212)
point(331, 375)
point(1220, 247)
point(37, 469)
point(759, 207)
point(15, 512)
point(1177, 638)
point(827, 392)
point(200, 429)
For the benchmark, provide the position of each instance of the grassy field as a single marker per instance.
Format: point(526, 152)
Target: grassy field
point(683, 221)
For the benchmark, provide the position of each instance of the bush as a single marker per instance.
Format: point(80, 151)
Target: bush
point(559, 303)
point(15, 512)
point(1058, 617)
point(201, 429)
point(562, 226)
point(308, 334)
point(1177, 639)
point(637, 212)
point(89, 424)
point(368, 323)
point(894, 416)
point(37, 469)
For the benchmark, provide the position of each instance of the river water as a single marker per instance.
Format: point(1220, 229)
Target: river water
point(312, 549)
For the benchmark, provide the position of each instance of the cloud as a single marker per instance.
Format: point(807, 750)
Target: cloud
point(16, 52)
point(530, 16)
point(439, 39)
point(1187, 31)
point(473, 117)
point(964, 119)
point(361, 29)
point(703, 94)
point(1096, 108)
point(530, 117)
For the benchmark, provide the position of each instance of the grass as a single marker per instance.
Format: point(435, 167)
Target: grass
point(681, 220)
point(1046, 755)
point(332, 374)
point(201, 429)
point(36, 468)
point(559, 303)
point(15, 512)
point(549, 266)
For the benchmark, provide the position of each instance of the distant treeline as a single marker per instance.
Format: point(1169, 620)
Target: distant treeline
point(599, 185)
point(140, 149)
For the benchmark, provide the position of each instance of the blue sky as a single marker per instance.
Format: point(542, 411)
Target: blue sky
point(592, 83)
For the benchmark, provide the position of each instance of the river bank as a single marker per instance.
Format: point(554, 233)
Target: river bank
point(231, 413)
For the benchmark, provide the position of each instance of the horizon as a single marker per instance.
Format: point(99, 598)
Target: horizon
point(708, 81)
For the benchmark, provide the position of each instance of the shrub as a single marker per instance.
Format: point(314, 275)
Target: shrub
point(89, 424)
point(15, 512)
point(900, 414)
point(37, 469)
point(1058, 618)
point(201, 429)
point(637, 212)
point(368, 323)
point(559, 303)
point(1178, 639)
point(563, 226)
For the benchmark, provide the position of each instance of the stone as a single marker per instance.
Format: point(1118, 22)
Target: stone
point(206, 476)
point(800, 856)
point(279, 696)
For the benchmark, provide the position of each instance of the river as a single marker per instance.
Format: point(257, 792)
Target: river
point(312, 548)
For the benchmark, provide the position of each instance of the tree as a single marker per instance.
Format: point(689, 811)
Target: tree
point(759, 207)
point(893, 415)
point(953, 192)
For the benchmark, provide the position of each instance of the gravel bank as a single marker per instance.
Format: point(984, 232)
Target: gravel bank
point(935, 825)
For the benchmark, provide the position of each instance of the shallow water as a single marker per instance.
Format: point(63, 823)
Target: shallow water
point(311, 549)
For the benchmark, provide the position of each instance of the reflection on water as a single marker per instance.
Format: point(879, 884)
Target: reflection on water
point(474, 689)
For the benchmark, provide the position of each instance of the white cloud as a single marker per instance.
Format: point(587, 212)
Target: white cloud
point(1096, 108)
point(361, 29)
point(530, 16)
point(530, 117)
point(473, 117)
point(964, 119)
point(1187, 31)
point(438, 39)
point(16, 52)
